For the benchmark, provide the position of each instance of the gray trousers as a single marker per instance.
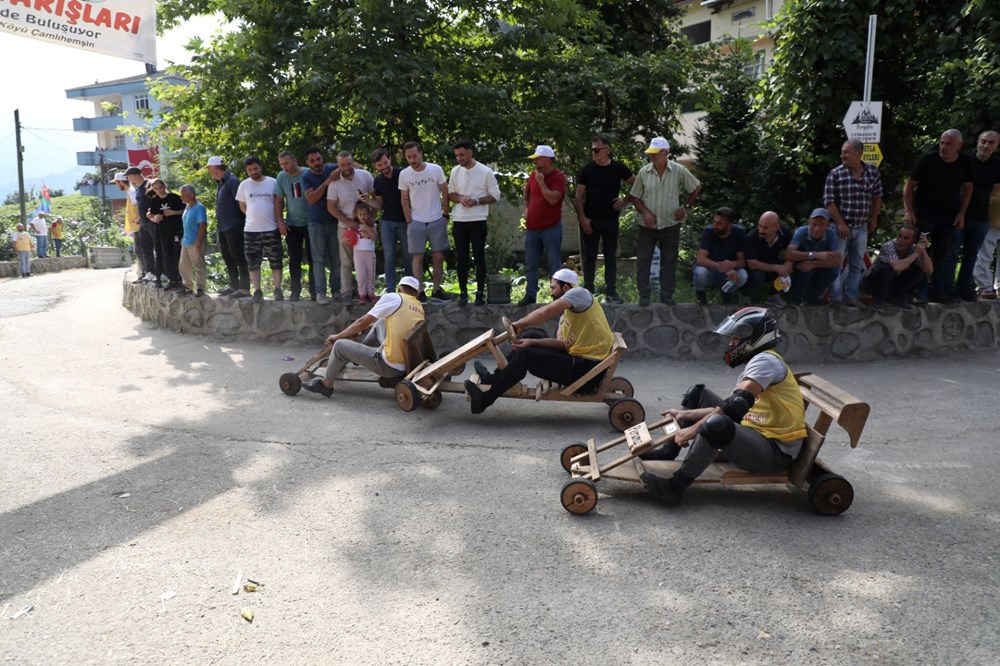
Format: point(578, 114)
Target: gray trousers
point(749, 450)
point(668, 240)
point(367, 354)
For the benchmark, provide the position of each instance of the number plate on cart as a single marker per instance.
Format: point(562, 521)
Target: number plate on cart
point(638, 437)
point(671, 428)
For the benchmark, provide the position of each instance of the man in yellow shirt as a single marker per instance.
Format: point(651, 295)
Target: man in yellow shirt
point(759, 428)
point(21, 240)
point(583, 341)
point(56, 231)
point(132, 222)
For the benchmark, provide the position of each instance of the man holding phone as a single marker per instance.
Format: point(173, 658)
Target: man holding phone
point(901, 270)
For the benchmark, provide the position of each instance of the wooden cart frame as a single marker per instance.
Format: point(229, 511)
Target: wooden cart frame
point(828, 493)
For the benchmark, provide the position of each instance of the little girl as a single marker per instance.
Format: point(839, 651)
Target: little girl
point(364, 252)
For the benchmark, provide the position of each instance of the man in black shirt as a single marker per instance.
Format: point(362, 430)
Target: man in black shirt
point(936, 198)
point(765, 257)
point(598, 202)
point(147, 228)
point(387, 199)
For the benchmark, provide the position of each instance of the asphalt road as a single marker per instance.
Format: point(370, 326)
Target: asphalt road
point(142, 470)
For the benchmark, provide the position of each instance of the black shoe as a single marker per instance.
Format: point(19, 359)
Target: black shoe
point(227, 291)
point(613, 298)
point(476, 397)
point(527, 300)
point(199, 293)
point(294, 297)
point(258, 296)
point(317, 386)
point(422, 297)
point(484, 374)
point(173, 286)
point(184, 291)
point(157, 284)
point(439, 296)
point(279, 295)
point(480, 299)
point(463, 298)
point(702, 297)
point(644, 301)
point(139, 281)
point(665, 452)
point(668, 491)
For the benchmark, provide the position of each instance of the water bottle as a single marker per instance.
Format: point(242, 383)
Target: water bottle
point(728, 287)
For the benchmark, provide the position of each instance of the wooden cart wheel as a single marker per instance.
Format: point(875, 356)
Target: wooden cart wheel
point(831, 494)
point(407, 395)
point(625, 413)
point(290, 383)
point(569, 452)
point(579, 496)
point(621, 387)
point(509, 327)
point(432, 401)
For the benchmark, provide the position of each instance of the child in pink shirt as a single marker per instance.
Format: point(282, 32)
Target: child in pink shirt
point(364, 252)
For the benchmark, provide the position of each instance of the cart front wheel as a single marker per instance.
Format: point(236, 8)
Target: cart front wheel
point(579, 496)
point(625, 413)
point(407, 396)
point(432, 401)
point(290, 383)
point(619, 388)
point(831, 494)
point(570, 452)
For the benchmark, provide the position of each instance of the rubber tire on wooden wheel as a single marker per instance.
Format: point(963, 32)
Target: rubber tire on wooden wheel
point(407, 395)
point(620, 386)
point(569, 452)
point(625, 413)
point(290, 383)
point(579, 496)
point(831, 494)
point(432, 401)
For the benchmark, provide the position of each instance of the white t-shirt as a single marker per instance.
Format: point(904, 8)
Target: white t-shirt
point(38, 227)
point(259, 199)
point(765, 369)
point(366, 243)
point(424, 187)
point(345, 193)
point(477, 182)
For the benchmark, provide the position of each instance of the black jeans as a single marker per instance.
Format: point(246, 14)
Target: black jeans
point(604, 232)
point(168, 255)
point(147, 246)
point(231, 246)
point(883, 284)
point(474, 234)
point(297, 241)
point(940, 232)
point(551, 364)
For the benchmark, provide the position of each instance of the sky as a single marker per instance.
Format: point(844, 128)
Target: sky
point(34, 79)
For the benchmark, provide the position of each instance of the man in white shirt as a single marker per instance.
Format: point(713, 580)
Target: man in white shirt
point(347, 185)
point(472, 187)
point(40, 230)
point(263, 231)
point(425, 204)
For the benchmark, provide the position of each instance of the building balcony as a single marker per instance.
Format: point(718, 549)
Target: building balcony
point(111, 191)
point(103, 124)
point(93, 157)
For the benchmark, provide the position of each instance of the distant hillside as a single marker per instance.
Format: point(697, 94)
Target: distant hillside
point(72, 206)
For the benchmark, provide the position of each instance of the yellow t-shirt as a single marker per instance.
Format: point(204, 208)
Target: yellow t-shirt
point(779, 412)
point(586, 333)
point(407, 314)
point(56, 230)
point(22, 241)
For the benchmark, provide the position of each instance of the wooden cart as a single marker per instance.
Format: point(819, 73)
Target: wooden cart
point(828, 493)
point(427, 381)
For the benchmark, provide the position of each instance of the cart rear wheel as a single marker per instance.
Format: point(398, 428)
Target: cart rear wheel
point(407, 396)
point(290, 383)
point(569, 452)
point(831, 494)
point(621, 388)
point(432, 401)
point(579, 496)
point(625, 413)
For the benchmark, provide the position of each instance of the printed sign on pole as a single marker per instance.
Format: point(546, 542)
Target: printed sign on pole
point(123, 28)
point(863, 122)
point(872, 154)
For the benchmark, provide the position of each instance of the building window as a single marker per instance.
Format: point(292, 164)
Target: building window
point(755, 68)
point(698, 33)
point(142, 102)
point(119, 142)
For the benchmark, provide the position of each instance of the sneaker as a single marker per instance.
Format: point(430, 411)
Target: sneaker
point(850, 303)
point(321, 299)
point(173, 286)
point(776, 301)
point(184, 291)
point(241, 293)
point(986, 295)
point(258, 296)
point(668, 491)
point(527, 300)
point(476, 397)
point(614, 298)
point(317, 386)
point(644, 301)
point(138, 280)
point(199, 293)
point(441, 297)
point(157, 284)
point(228, 291)
point(668, 300)
point(149, 277)
point(422, 297)
point(279, 295)
point(484, 373)
point(702, 298)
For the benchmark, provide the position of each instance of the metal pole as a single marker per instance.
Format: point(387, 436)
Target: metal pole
point(104, 196)
point(870, 57)
point(20, 165)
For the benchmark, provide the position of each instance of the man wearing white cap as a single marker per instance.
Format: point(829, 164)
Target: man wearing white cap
point(543, 198)
point(656, 194)
point(383, 349)
point(583, 340)
point(132, 222)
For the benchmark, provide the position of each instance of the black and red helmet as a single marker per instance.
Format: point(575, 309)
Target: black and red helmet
point(754, 330)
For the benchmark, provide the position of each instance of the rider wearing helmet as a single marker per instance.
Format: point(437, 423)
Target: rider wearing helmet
point(759, 428)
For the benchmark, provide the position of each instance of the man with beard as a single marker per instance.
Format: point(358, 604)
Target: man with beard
point(720, 259)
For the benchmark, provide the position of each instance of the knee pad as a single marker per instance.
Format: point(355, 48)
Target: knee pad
point(692, 397)
point(718, 430)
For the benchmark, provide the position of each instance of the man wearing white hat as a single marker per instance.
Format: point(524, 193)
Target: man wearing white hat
point(383, 351)
point(132, 222)
point(583, 340)
point(656, 194)
point(543, 198)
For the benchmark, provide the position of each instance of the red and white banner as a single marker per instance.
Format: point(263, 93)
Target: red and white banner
point(147, 159)
point(123, 28)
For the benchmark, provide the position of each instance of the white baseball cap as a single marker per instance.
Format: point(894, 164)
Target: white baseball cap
point(410, 282)
point(120, 176)
point(215, 160)
point(567, 276)
point(657, 144)
point(542, 151)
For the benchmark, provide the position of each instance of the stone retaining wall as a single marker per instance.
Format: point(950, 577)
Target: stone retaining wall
point(48, 265)
point(817, 334)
